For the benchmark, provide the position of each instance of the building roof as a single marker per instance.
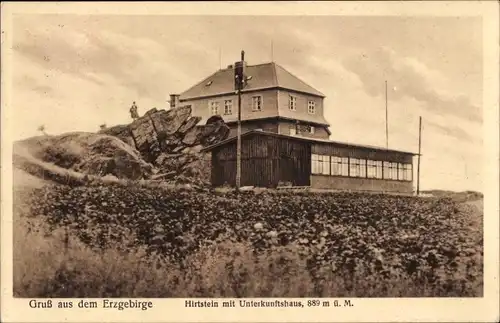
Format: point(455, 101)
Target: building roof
point(264, 76)
point(307, 139)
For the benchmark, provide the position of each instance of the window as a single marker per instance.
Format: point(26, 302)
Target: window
point(378, 164)
point(340, 166)
point(357, 167)
point(374, 168)
point(387, 170)
point(401, 173)
point(214, 108)
point(362, 168)
point(292, 103)
point(405, 172)
point(311, 107)
point(394, 171)
point(228, 107)
point(320, 164)
point(353, 167)
point(390, 170)
point(307, 129)
point(257, 103)
point(293, 130)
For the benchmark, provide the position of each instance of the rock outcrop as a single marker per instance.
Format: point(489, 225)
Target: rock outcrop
point(85, 153)
point(169, 132)
point(161, 145)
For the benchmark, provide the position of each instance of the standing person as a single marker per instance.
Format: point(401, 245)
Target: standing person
point(133, 111)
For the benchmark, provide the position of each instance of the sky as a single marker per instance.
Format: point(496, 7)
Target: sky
point(76, 72)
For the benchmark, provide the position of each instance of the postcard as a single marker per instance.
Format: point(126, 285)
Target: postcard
point(250, 161)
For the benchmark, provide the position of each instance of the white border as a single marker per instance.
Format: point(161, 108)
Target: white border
point(426, 310)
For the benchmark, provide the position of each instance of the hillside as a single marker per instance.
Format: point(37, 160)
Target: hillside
point(162, 144)
point(360, 239)
point(109, 214)
point(464, 196)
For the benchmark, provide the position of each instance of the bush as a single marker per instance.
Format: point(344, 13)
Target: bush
point(176, 242)
point(45, 266)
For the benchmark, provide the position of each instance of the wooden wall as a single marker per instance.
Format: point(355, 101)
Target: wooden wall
point(265, 161)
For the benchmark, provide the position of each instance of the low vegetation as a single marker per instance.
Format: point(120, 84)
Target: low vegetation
point(105, 240)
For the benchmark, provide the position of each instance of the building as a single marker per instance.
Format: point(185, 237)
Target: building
point(271, 159)
point(273, 100)
point(285, 137)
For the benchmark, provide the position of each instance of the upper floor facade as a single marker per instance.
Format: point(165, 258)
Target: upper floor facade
point(272, 98)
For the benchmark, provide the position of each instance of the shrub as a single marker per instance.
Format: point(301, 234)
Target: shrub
point(186, 242)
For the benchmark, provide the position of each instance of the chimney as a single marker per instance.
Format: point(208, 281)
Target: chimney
point(174, 100)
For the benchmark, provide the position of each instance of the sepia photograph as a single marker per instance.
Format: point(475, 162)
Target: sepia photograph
point(243, 156)
point(246, 156)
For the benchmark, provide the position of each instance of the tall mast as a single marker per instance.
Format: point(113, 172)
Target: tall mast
point(419, 152)
point(386, 120)
point(238, 147)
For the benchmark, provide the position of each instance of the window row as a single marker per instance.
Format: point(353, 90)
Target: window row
point(355, 167)
point(292, 105)
point(215, 107)
point(257, 105)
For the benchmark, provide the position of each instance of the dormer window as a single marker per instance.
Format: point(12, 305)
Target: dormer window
point(311, 107)
point(292, 103)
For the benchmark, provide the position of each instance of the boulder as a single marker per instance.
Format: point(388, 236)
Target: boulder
point(214, 119)
point(213, 133)
point(169, 121)
point(189, 124)
point(88, 153)
point(192, 137)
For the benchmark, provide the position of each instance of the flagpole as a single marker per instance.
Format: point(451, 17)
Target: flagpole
point(419, 152)
point(386, 120)
point(272, 51)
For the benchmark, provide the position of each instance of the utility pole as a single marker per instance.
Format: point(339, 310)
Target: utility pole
point(239, 82)
point(220, 58)
point(419, 150)
point(272, 51)
point(386, 120)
